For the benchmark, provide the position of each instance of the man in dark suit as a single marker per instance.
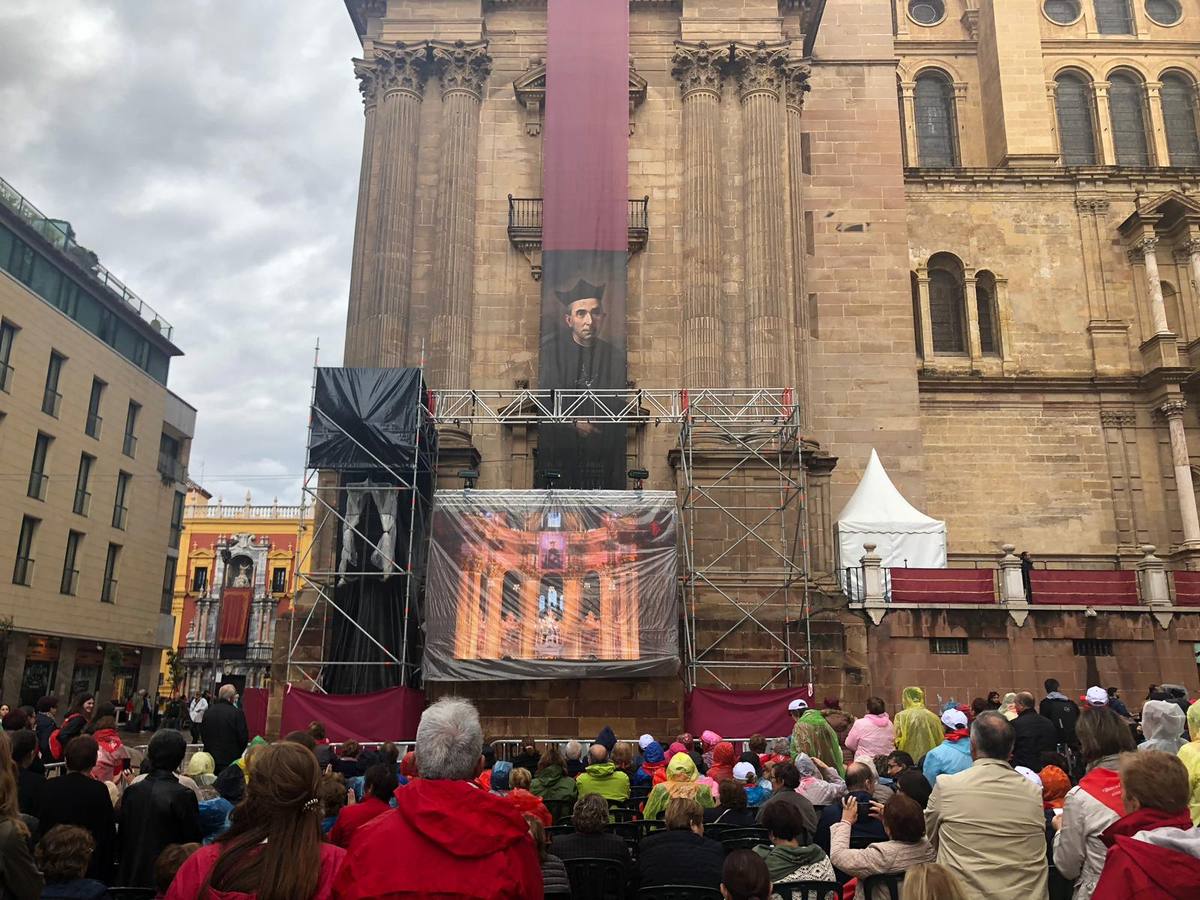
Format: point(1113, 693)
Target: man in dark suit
point(224, 729)
point(78, 799)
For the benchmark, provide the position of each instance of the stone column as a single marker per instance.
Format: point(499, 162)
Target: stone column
point(1147, 248)
point(1173, 410)
point(1107, 150)
point(1158, 127)
point(1192, 249)
point(463, 70)
point(400, 73)
point(926, 313)
point(760, 75)
point(971, 296)
point(908, 106)
point(795, 86)
point(364, 221)
point(698, 70)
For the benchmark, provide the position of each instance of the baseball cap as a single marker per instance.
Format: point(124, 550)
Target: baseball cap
point(645, 741)
point(1030, 775)
point(1096, 696)
point(743, 771)
point(954, 718)
point(797, 705)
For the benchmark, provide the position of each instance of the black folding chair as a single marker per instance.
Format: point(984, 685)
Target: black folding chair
point(891, 882)
point(131, 893)
point(806, 890)
point(744, 838)
point(621, 814)
point(679, 892)
point(559, 829)
point(716, 829)
point(596, 879)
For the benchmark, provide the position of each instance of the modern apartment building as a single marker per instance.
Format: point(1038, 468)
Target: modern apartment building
point(93, 460)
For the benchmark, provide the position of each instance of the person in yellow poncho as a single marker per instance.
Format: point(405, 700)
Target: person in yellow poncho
point(1189, 755)
point(682, 781)
point(818, 740)
point(918, 730)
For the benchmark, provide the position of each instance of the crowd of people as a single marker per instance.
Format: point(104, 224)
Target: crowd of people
point(1007, 797)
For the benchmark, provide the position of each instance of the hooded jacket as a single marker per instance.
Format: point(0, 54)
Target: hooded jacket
point(1189, 755)
point(682, 781)
point(191, 877)
point(872, 735)
point(469, 843)
point(816, 737)
point(555, 788)
point(1090, 807)
point(529, 804)
point(653, 761)
point(807, 862)
point(723, 758)
point(918, 730)
point(1162, 725)
point(111, 758)
point(607, 738)
point(1152, 854)
point(947, 758)
point(605, 780)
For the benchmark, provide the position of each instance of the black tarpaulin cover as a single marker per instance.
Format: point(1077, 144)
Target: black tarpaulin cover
point(551, 584)
point(377, 408)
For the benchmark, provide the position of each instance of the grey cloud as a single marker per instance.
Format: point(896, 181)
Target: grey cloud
point(208, 152)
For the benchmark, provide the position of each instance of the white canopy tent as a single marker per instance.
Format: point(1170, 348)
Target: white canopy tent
point(878, 514)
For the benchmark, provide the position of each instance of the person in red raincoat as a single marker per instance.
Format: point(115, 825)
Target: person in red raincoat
point(525, 802)
point(1153, 850)
point(446, 836)
point(378, 784)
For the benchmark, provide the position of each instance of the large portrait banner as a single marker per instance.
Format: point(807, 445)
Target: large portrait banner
point(551, 584)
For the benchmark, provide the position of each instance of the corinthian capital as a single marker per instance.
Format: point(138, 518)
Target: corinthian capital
point(368, 83)
point(699, 67)
point(1146, 246)
point(401, 67)
point(795, 84)
point(760, 68)
point(1173, 408)
point(1192, 247)
point(462, 67)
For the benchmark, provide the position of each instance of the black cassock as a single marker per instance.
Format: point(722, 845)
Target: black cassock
point(589, 461)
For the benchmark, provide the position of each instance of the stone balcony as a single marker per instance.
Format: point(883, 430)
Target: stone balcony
point(525, 228)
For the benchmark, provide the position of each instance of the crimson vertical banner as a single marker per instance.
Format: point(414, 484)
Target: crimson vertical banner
point(585, 233)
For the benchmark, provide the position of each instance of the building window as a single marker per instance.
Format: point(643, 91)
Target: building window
point(169, 465)
point(51, 398)
point(933, 100)
point(23, 570)
point(108, 590)
point(1179, 115)
point(1164, 12)
point(83, 497)
point(8, 334)
point(1076, 122)
point(38, 479)
point(168, 590)
point(1126, 101)
point(70, 573)
point(176, 520)
point(1063, 12)
point(1114, 17)
point(129, 446)
point(947, 305)
point(986, 313)
point(278, 580)
point(121, 501)
point(1091, 647)
point(948, 646)
point(927, 12)
point(199, 579)
point(94, 421)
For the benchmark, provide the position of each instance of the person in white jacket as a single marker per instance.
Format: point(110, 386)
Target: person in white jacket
point(873, 735)
point(196, 710)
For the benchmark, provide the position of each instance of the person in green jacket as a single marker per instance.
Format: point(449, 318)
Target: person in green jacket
point(551, 783)
point(601, 777)
point(682, 781)
point(813, 735)
point(788, 858)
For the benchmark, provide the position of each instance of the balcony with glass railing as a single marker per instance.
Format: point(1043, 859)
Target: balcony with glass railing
point(23, 571)
point(61, 236)
point(37, 485)
point(6, 375)
point(108, 591)
point(51, 402)
point(83, 502)
point(94, 423)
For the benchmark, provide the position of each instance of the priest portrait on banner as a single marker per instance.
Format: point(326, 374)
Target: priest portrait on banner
point(575, 354)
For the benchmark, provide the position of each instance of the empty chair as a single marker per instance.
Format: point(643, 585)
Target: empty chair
point(739, 838)
point(596, 879)
point(806, 890)
point(880, 886)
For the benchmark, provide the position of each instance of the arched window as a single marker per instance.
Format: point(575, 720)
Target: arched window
point(1076, 124)
point(916, 302)
point(1171, 303)
point(510, 595)
point(947, 306)
point(1114, 17)
point(550, 596)
point(1180, 118)
point(987, 313)
point(1126, 101)
point(934, 103)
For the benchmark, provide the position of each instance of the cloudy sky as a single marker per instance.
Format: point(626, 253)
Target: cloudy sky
point(208, 151)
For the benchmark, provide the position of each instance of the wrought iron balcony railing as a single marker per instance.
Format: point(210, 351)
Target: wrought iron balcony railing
point(525, 227)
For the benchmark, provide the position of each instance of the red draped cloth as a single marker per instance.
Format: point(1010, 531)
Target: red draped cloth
point(389, 715)
point(1187, 588)
point(1077, 587)
point(235, 615)
point(943, 585)
point(741, 713)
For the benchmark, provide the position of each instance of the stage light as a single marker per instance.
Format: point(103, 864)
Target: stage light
point(637, 476)
point(469, 477)
point(551, 476)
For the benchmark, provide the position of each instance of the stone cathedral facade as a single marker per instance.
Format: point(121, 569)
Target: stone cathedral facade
point(967, 232)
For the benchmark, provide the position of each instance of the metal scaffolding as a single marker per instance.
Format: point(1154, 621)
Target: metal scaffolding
point(741, 498)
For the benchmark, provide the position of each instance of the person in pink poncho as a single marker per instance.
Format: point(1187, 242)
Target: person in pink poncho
point(873, 735)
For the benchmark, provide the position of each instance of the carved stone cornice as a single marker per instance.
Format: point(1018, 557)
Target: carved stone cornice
point(1191, 248)
point(796, 84)
point(1173, 408)
point(530, 89)
point(401, 67)
point(759, 68)
point(462, 67)
point(1116, 418)
point(699, 68)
